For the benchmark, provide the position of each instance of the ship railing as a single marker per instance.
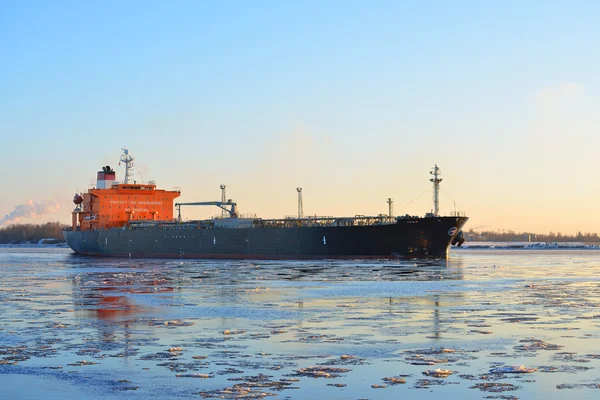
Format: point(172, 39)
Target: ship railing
point(458, 214)
point(180, 226)
point(406, 216)
point(292, 222)
point(289, 222)
point(241, 216)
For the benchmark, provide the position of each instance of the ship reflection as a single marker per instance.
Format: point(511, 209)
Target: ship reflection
point(434, 309)
point(119, 297)
point(111, 295)
point(386, 270)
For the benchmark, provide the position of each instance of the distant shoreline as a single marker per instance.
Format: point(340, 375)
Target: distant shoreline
point(498, 245)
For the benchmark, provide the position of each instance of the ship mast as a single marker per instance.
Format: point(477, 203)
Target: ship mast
point(300, 208)
point(436, 172)
point(128, 160)
point(223, 200)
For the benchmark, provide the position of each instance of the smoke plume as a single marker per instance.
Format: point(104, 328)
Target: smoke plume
point(30, 209)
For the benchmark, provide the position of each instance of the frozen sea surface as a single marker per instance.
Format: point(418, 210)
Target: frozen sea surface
point(488, 323)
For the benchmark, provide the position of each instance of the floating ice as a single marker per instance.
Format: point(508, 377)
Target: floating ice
point(494, 387)
point(438, 373)
point(321, 372)
point(518, 369)
point(536, 344)
point(394, 380)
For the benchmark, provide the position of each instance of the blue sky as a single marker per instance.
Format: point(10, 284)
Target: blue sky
point(354, 101)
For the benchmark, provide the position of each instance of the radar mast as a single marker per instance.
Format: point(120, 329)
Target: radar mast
point(436, 172)
point(128, 160)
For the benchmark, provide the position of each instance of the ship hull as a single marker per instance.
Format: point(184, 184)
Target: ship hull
point(418, 237)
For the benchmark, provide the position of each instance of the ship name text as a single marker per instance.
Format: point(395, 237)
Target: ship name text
point(157, 203)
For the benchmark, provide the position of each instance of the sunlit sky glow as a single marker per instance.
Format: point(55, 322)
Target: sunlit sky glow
point(354, 101)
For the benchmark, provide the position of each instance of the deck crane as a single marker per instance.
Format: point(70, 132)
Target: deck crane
point(233, 212)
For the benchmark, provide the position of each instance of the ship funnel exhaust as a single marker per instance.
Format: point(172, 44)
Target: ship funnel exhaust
point(105, 178)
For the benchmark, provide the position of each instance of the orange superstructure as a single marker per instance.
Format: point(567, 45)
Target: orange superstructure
point(113, 205)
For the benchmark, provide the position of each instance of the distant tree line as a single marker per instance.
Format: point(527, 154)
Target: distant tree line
point(510, 236)
point(21, 233)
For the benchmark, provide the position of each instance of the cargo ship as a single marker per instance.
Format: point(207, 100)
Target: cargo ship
point(131, 219)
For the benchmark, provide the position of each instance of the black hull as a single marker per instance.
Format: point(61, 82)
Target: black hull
point(418, 237)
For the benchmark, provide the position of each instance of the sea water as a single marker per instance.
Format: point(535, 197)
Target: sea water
point(487, 323)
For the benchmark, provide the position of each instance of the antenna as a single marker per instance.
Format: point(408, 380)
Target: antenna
point(300, 209)
point(390, 202)
point(436, 172)
point(128, 160)
point(223, 200)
